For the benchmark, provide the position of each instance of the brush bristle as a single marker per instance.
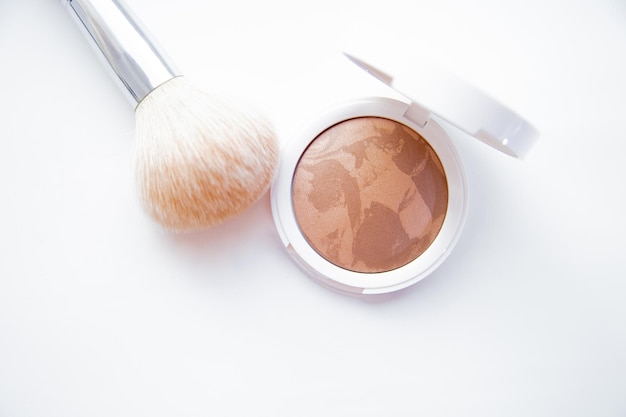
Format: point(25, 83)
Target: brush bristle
point(199, 160)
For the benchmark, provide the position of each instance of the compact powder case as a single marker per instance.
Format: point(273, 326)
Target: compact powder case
point(371, 196)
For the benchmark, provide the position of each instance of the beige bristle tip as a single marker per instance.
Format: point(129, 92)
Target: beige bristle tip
point(199, 160)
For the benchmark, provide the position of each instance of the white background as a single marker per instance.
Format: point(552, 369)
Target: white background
point(104, 314)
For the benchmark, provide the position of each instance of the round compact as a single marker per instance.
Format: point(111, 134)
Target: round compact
point(371, 197)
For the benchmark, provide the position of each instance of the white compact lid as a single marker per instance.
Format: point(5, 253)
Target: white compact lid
point(461, 105)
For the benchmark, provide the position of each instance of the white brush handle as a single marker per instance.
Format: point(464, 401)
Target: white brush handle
point(135, 58)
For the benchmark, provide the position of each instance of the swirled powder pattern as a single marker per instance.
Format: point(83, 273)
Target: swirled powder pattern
point(369, 194)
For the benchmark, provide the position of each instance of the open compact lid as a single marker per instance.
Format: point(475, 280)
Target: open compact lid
point(461, 105)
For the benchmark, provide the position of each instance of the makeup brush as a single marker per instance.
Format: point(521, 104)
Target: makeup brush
point(199, 160)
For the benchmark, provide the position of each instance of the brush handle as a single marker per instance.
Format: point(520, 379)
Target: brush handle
point(134, 56)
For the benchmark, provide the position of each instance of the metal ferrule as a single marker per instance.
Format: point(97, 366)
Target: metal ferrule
point(135, 58)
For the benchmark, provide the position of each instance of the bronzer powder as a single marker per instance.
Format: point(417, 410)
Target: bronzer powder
point(369, 194)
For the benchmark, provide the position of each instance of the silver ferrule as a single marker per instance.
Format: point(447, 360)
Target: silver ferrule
point(135, 58)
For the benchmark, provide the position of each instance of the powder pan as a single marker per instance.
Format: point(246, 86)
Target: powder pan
point(325, 190)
